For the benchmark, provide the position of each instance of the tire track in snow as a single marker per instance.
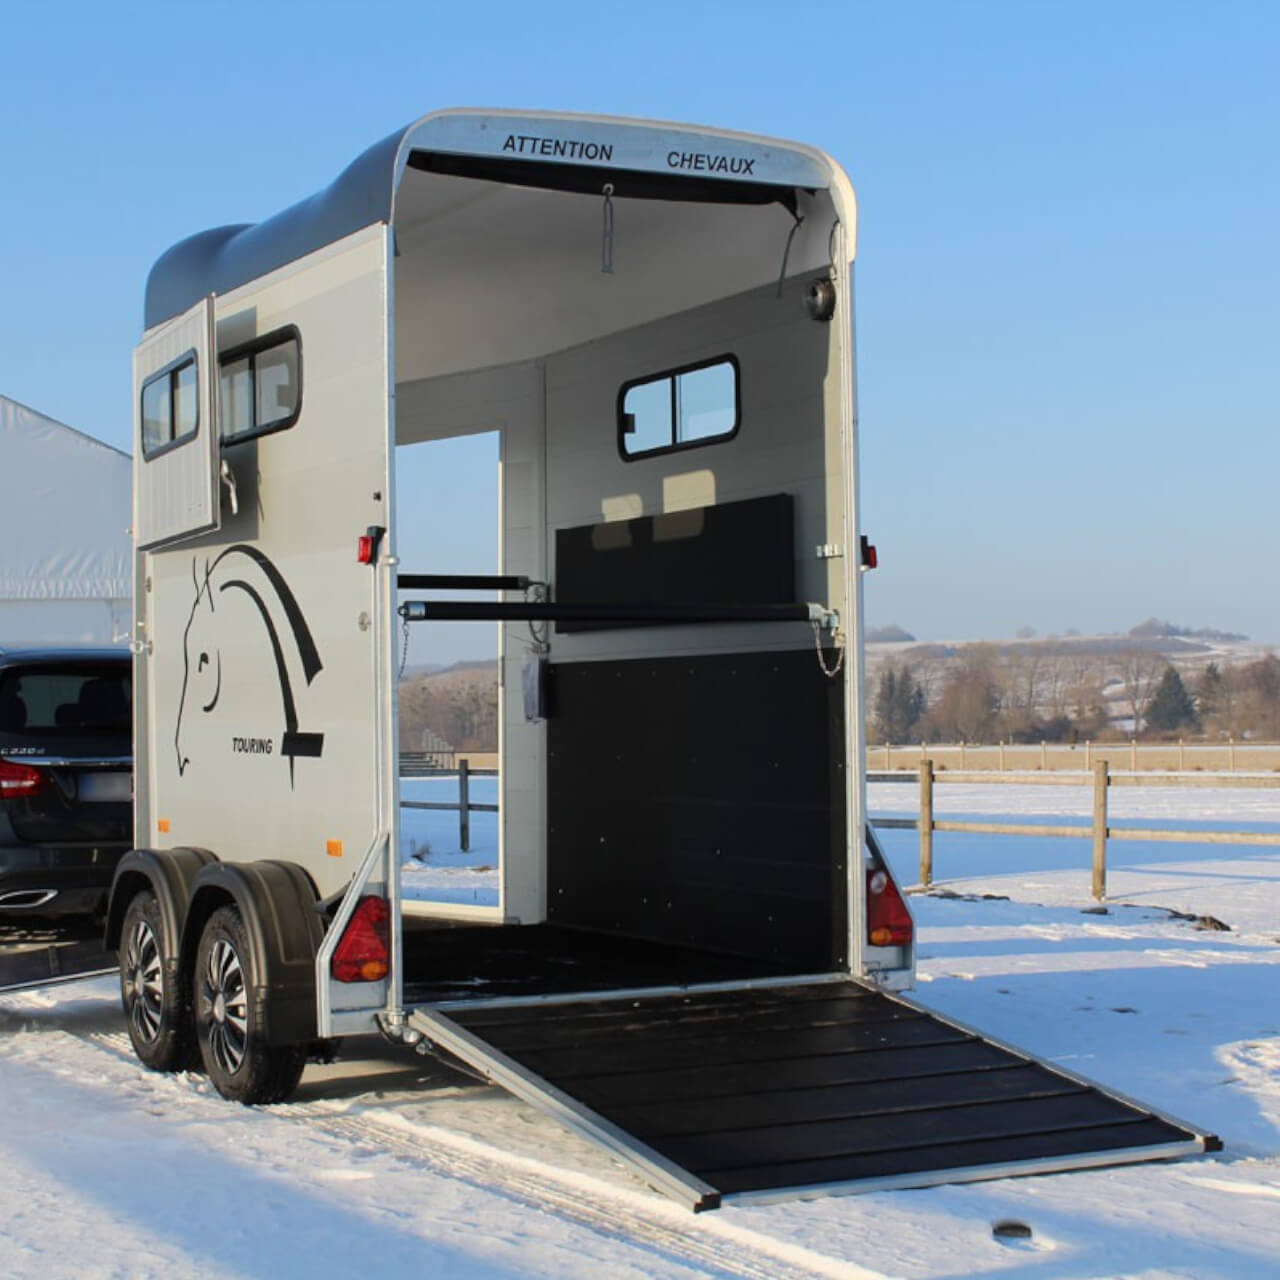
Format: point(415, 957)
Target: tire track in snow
point(708, 1243)
point(705, 1241)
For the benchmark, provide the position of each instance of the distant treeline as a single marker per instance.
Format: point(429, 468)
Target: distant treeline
point(458, 704)
point(983, 693)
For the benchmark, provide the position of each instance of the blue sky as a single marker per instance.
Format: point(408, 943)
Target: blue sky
point(1068, 289)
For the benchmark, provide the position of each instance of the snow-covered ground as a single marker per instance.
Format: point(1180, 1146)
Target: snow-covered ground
point(435, 868)
point(389, 1165)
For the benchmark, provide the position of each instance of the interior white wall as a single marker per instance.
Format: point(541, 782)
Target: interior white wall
point(788, 442)
point(560, 467)
point(504, 321)
point(495, 275)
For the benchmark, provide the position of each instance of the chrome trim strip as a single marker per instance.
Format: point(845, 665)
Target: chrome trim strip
point(33, 898)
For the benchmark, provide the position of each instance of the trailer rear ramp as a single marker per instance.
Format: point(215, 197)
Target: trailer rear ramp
point(796, 1088)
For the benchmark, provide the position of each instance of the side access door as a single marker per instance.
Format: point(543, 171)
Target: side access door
point(175, 407)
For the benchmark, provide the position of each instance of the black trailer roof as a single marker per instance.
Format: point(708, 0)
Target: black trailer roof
point(224, 258)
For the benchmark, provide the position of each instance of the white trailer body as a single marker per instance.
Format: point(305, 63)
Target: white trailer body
point(657, 319)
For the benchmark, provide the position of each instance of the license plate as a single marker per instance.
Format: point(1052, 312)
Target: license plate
point(99, 787)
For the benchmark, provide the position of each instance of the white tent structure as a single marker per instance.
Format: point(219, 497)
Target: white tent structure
point(65, 552)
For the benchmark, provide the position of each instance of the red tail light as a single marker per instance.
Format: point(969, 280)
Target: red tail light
point(364, 953)
point(22, 779)
point(888, 920)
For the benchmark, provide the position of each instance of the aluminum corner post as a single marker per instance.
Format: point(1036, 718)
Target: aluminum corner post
point(334, 1022)
point(386, 672)
point(855, 761)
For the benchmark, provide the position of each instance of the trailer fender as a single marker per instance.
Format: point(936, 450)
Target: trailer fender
point(277, 902)
point(170, 874)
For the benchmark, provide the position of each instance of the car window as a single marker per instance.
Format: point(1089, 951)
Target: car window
point(84, 699)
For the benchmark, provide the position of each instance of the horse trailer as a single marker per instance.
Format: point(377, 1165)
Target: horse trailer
point(695, 950)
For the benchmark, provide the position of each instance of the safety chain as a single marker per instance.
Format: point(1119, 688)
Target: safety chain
point(837, 638)
point(404, 653)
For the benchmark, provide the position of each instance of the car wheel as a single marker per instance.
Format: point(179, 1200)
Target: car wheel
point(158, 1019)
point(241, 1064)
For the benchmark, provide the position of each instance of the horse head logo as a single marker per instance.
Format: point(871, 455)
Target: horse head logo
point(292, 646)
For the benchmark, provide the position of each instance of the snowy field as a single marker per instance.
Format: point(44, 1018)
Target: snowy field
point(434, 867)
point(390, 1165)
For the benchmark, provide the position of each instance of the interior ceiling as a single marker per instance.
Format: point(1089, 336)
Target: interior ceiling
point(488, 274)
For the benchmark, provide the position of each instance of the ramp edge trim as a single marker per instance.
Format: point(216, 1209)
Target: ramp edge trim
point(666, 1175)
point(1203, 1140)
point(971, 1173)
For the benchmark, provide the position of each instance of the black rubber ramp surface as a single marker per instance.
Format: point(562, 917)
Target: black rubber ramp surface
point(779, 1087)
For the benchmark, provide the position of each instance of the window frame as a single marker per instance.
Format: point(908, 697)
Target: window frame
point(679, 446)
point(189, 357)
point(248, 350)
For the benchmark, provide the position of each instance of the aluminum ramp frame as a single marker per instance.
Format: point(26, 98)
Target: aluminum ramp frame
point(796, 1088)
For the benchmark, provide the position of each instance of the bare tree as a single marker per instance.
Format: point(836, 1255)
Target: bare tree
point(1023, 675)
point(1057, 683)
point(969, 700)
point(1140, 672)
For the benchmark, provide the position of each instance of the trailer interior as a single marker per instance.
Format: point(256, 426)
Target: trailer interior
point(673, 809)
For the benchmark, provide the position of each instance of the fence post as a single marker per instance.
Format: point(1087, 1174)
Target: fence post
point(1231, 753)
point(1001, 755)
point(1100, 784)
point(464, 805)
point(1044, 755)
point(1088, 754)
point(926, 822)
point(963, 761)
point(1182, 756)
point(887, 758)
point(1133, 754)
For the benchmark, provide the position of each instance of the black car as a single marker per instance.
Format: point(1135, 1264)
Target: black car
point(66, 778)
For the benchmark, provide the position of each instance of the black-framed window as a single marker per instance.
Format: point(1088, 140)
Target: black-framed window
point(260, 386)
point(682, 408)
point(170, 406)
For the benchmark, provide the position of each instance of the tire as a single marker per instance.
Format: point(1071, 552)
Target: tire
point(156, 1010)
point(239, 1061)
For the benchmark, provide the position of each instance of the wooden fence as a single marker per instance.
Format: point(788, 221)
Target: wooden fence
point(1182, 755)
point(1099, 831)
point(465, 806)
